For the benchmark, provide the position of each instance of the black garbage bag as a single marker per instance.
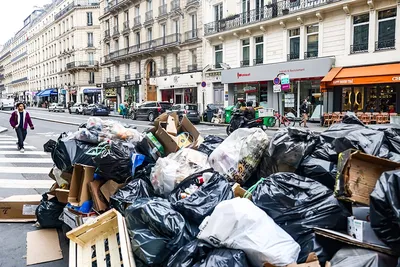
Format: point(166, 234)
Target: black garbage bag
point(80, 156)
point(156, 230)
point(49, 146)
point(132, 191)
point(198, 253)
point(143, 148)
point(62, 152)
point(202, 202)
point(48, 212)
point(266, 167)
point(351, 119)
point(393, 137)
point(385, 209)
point(325, 151)
point(298, 204)
point(319, 170)
point(360, 257)
point(115, 163)
point(211, 142)
point(290, 145)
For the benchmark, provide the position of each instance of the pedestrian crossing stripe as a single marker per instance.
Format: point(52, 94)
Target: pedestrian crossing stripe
point(25, 160)
point(16, 152)
point(15, 147)
point(12, 183)
point(9, 142)
point(24, 170)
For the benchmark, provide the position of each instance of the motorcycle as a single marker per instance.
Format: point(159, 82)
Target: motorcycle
point(238, 120)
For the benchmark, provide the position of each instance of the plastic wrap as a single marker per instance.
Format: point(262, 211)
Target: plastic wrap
point(48, 212)
point(210, 143)
point(173, 169)
point(87, 136)
point(203, 201)
point(359, 257)
point(299, 204)
point(156, 230)
point(319, 170)
point(239, 155)
point(239, 224)
point(385, 209)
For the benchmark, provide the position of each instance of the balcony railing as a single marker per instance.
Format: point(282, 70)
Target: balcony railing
point(137, 21)
point(107, 34)
point(258, 61)
point(270, 11)
point(245, 63)
point(162, 10)
point(115, 31)
point(163, 72)
point(175, 5)
point(149, 16)
point(126, 26)
point(190, 2)
point(82, 64)
point(192, 68)
point(116, 78)
point(359, 48)
point(80, 3)
point(191, 35)
point(176, 70)
point(138, 75)
point(108, 80)
point(152, 74)
point(149, 46)
point(310, 54)
point(293, 56)
point(385, 45)
point(127, 77)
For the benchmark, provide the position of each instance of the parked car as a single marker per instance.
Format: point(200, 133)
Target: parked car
point(7, 103)
point(77, 108)
point(191, 111)
point(56, 107)
point(96, 109)
point(150, 110)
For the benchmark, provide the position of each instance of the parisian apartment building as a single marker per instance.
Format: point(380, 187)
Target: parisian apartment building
point(339, 53)
point(152, 50)
point(5, 69)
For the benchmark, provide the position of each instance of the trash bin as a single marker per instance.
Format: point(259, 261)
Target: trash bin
point(228, 113)
point(210, 114)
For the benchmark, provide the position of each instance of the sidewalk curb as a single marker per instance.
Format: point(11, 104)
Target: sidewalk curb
point(48, 120)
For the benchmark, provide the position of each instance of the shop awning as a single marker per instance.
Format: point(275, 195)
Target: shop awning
point(377, 74)
point(91, 90)
point(47, 93)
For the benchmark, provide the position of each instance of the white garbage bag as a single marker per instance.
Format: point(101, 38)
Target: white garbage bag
point(237, 157)
point(239, 224)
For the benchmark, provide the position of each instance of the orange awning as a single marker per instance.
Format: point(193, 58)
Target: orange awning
point(378, 74)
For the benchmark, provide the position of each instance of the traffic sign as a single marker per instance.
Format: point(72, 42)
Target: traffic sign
point(203, 84)
point(285, 79)
point(277, 88)
point(285, 87)
point(277, 80)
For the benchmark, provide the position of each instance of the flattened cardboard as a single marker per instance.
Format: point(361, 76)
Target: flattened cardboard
point(172, 125)
point(99, 202)
point(358, 173)
point(19, 208)
point(43, 246)
point(79, 187)
point(109, 189)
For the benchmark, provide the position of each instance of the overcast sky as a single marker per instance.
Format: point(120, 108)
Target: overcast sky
point(12, 16)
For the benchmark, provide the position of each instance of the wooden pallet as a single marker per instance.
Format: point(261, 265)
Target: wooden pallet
point(103, 242)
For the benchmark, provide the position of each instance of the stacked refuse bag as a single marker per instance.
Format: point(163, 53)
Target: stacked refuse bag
point(246, 200)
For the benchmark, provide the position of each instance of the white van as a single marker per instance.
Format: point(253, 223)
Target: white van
point(7, 104)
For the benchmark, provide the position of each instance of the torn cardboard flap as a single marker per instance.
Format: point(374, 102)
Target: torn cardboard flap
point(79, 187)
point(19, 208)
point(43, 246)
point(110, 188)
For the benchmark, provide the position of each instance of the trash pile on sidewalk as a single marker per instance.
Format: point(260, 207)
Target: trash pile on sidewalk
point(169, 197)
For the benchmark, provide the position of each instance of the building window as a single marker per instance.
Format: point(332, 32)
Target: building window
point(246, 9)
point(194, 21)
point(90, 39)
point(245, 53)
point(126, 15)
point(127, 41)
point(149, 34)
point(294, 43)
point(360, 34)
point(176, 26)
point(312, 41)
point(149, 5)
point(386, 29)
point(127, 71)
point(91, 77)
point(137, 11)
point(259, 50)
point(177, 61)
point(138, 38)
point(91, 58)
point(218, 55)
point(164, 62)
point(89, 16)
point(218, 12)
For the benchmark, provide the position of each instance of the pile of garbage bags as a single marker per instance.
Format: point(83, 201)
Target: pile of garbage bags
point(184, 209)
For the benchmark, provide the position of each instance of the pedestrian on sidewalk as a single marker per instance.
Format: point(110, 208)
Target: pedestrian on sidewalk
point(304, 112)
point(19, 120)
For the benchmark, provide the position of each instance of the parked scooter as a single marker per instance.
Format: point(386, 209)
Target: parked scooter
point(239, 120)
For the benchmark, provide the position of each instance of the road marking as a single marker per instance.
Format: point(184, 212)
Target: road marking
point(31, 170)
point(10, 142)
point(10, 183)
point(16, 152)
point(14, 146)
point(25, 160)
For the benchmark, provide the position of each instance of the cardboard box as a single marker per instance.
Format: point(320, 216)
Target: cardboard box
point(99, 202)
point(19, 208)
point(109, 189)
point(361, 213)
point(74, 219)
point(362, 231)
point(65, 175)
point(79, 186)
point(358, 173)
point(62, 195)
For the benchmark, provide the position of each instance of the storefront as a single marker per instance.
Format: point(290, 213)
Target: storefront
point(178, 89)
point(92, 95)
point(48, 95)
point(132, 91)
point(363, 89)
point(110, 95)
point(255, 83)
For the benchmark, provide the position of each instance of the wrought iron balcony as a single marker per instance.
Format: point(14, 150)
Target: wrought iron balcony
point(83, 65)
point(162, 10)
point(126, 27)
point(107, 34)
point(163, 72)
point(359, 48)
point(258, 61)
point(245, 63)
point(176, 70)
point(137, 22)
point(270, 11)
point(127, 77)
point(80, 3)
point(191, 2)
point(116, 78)
point(152, 74)
point(310, 54)
point(175, 5)
point(149, 16)
point(108, 80)
point(138, 75)
point(385, 45)
point(191, 35)
point(192, 68)
point(293, 56)
point(115, 32)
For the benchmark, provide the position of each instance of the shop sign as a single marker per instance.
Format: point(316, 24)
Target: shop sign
point(213, 76)
point(111, 92)
point(277, 88)
point(349, 81)
point(396, 79)
point(285, 82)
point(289, 100)
point(239, 75)
point(248, 89)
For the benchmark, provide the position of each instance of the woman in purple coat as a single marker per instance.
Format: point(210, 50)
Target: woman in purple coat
point(20, 120)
